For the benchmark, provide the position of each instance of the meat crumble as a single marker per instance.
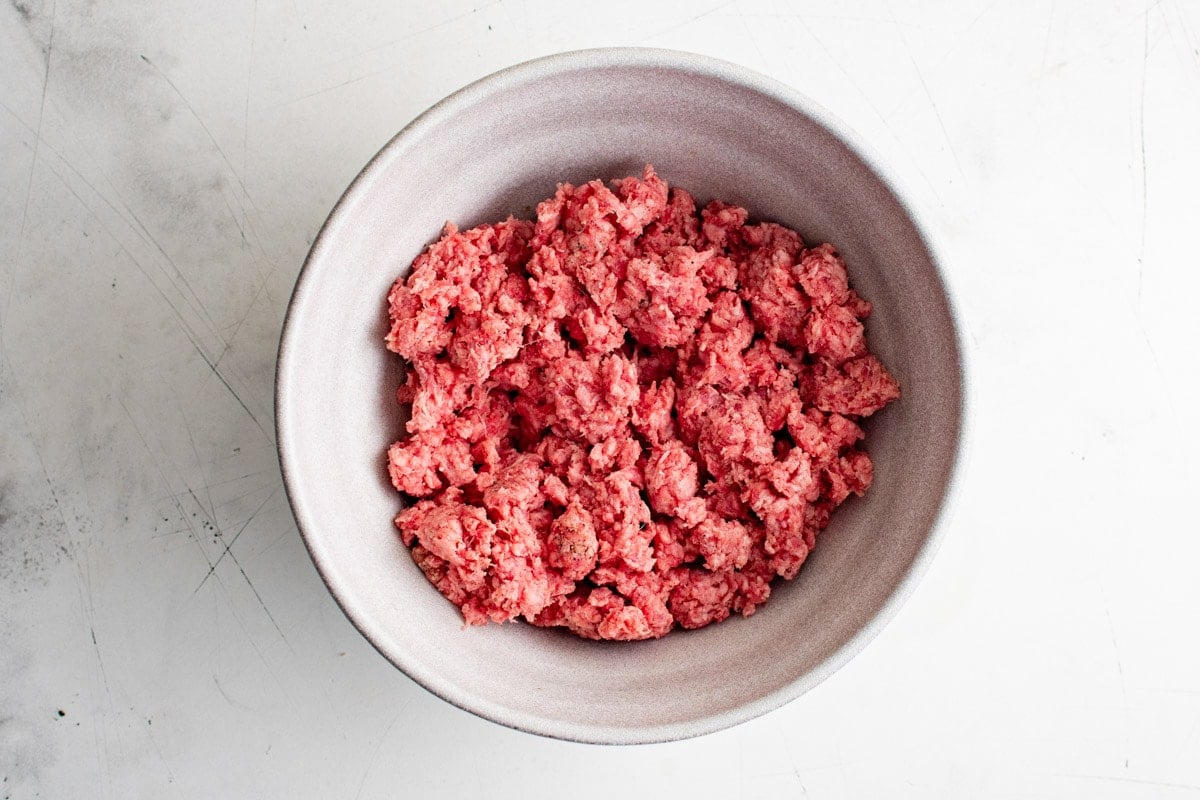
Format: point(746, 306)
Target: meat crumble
point(627, 414)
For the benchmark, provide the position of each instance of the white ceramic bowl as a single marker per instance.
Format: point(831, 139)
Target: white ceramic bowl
point(495, 148)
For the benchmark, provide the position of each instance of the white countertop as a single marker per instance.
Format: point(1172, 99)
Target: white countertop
point(166, 165)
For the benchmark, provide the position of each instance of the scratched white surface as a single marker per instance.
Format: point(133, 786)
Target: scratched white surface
point(163, 169)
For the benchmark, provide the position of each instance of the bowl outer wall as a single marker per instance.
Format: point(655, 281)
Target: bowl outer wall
point(331, 362)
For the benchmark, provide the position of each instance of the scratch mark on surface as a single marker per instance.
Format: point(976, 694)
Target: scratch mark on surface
point(233, 215)
point(841, 765)
point(37, 134)
point(378, 746)
point(414, 34)
point(789, 750)
point(237, 617)
point(79, 436)
point(162, 758)
point(139, 228)
point(937, 112)
point(195, 538)
point(233, 703)
point(799, 19)
point(290, 530)
point(1142, 149)
point(165, 534)
point(192, 494)
point(1185, 743)
point(799, 781)
point(333, 88)
point(246, 112)
point(236, 396)
point(37, 143)
point(187, 425)
point(762, 59)
point(1189, 786)
point(92, 213)
point(690, 20)
point(137, 262)
point(183, 515)
point(37, 450)
point(1185, 30)
point(217, 484)
point(101, 736)
point(233, 540)
point(373, 73)
point(258, 597)
point(961, 35)
point(1112, 632)
point(15, 116)
point(243, 495)
point(820, 42)
point(99, 659)
point(1046, 43)
point(208, 489)
point(1120, 29)
point(200, 120)
point(229, 340)
point(253, 643)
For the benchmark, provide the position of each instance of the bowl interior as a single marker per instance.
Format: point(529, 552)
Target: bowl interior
point(497, 148)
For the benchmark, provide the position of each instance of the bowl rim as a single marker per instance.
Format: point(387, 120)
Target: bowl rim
point(689, 63)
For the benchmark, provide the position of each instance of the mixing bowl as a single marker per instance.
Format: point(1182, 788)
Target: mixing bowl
point(496, 148)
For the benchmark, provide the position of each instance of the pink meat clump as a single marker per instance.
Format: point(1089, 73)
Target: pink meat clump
point(627, 415)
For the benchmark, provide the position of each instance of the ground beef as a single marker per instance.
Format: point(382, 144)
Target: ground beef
point(626, 415)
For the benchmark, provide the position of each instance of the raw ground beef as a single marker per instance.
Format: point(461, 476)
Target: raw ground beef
point(627, 415)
